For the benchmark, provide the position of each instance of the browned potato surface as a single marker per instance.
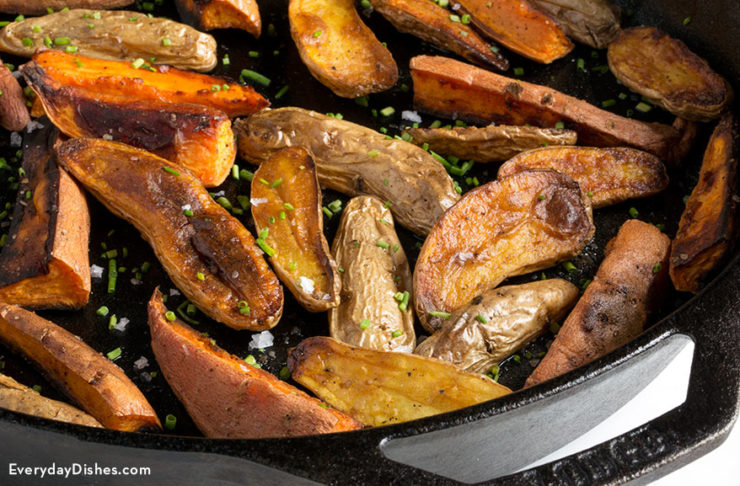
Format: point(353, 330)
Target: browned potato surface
point(13, 112)
point(222, 14)
point(591, 22)
point(41, 6)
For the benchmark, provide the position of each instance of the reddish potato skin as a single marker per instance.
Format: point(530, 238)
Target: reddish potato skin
point(13, 112)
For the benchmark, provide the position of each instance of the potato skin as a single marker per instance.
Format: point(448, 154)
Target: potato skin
point(369, 280)
point(519, 224)
point(513, 315)
point(415, 183)
point(34, 7)
point(222, 14)
point(381, 388)
point(666, 72)
point(591, 22)
point(13, 112)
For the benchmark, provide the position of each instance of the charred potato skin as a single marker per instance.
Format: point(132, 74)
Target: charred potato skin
point(369, 280)
point(40, 6)
point(222, 14)
point(591, 22)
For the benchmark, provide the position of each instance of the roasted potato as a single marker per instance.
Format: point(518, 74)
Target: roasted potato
point(591, 22)
point(707, 227)
point(493, 143)
point(338, 49)
point(227, 398)
point(375, 310)
point(499, 323)
point(666, 72)
point(355, 160)
point(13, 112)
point(207, 253)
point(607, 175)
point(100, 387)
point(432, 23)
point(114, 35)
point(286, 207)
point(519, 224)
point(33, 7)
point(381, 388)
point(45, 263)
point(222, 14)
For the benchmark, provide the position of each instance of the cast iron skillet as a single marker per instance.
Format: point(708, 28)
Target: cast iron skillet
point(487, 442)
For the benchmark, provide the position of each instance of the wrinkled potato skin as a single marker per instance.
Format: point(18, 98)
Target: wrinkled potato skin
point(493, 143)
point(514, 314)
point(666, 72)
point(34, 7)
point(222, 14)
point(708, 227)
point(591, 22)
point(368, 281)
point(379, 388)
point(609, 175)
point(13, 112)
point(415, 183)
point(516, 225)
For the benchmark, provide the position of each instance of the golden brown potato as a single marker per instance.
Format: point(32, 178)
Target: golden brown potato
point(499, 323)
point(707, 227)
point(381, 388)
point(222, 14)
point(33, 7)
point(376, 309)
point(606, 175)
point(338, 49)
point(493, 143)
point(286, 207)
point(207, 253)
point(100, 387)
point(591, 22)
point(13, 112)
point(519, 224)
point(666, 72)
point(44, 263)
point(356, 161)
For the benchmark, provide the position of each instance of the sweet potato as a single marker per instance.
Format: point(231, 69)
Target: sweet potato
point(222, 14)
point(666, 72)
point(432, 23)
point(13, 112)
point(707, 227)
point(451, 88)
point(286, 207)
point(519, 224)
point(339, 49)
point(607, 175)
point(100, 387)
point(381, 388)
point(44, 263)
point(591, 22)
point(518, 26)
point(629, 284)
point(225, 397)
point(207, 253)
point(34, 7)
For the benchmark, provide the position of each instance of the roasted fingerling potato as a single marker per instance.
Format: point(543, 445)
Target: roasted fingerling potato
point(591, 22)
point(222, 14)
point(14, 115)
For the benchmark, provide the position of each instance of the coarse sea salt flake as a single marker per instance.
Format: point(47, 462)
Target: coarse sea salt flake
point(411, 116)
point(141, 363)
point(262, 340)
point(96, 271)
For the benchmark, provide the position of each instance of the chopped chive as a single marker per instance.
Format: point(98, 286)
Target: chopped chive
point(687, 21)
point(102, 311)
point(364, 324)
point(404, 305)
point(382, 244)
point(170, 170)
point(200, 276)
point(554, 327)
point(254, 54)
point(226, 61)
point(335, 206)
point(454, 18)
point(517, 358)
point(643, 107)
point(265, 247)
point(396, 333)
point(541, 197)
point(339, 269)
point(271, 220)
point(235, 172)
point(465, 19)
point(317, 33)
point(243, 201)
point(634, 212)
point(170, 421)
point(166, 41)
point(243, 307)
point(608, 103)
point(326, 212)
point(481, 319)
point(657, 267)
point(170, 316)
point(569, 267)
point(288, 206)
point(387, 111)
point(443, 315)
point(581, 64)
point(518, 71)
point(387, 204)
point(112, 275)
point(396, 248)
point(284, 373)
point(373, 153)
point(256, 77)
point(292, 265)
point(590, 194)
point(264, 233)
point(362, 101)
point(398, 296)
point(224, 203)
point(282, 92)
point(115, 354)
point(264, 181)
point(27, 41)
point(282, 215)
point(277, 182)
point(495, 369)
point(61, 41)
point(112, 321)
point(246, 175)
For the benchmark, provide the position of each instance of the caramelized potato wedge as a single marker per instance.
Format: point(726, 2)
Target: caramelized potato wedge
point(498, 323)
point(447, 87)
point(431, 23)
point(34, 7)
point(493, 143)
point(286, 207)
point(100, 387)
point(666, 72)
point(606, 175)
point(380, 388)
point(519, 224)
point(375, 310)
point(44, 263)
point(355, 160)
point(707, 227)
point(339, 49)
point(207, 253)
point(225, 397)
point(591, 22)
point(222, 14)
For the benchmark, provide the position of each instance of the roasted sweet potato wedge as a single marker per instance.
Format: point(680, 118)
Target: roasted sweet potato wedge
point(100, 387)
point(339, 49)
point(493, 143)
point(519, 224)
point(607, 175)
point(518, 26)
point(225, 397)
point(375, 311)
point(222, 14)
point(591, 22)
point(499, 323)
point(381, 388)
point(666, 72)
point(207, 253)
point(629, 285)
point(44, 263)
point(451, 88)
point(13, 112)
point(432, 24)
point(286, 207)
point(707, 227)
point(33, 7)
point(355, 160)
